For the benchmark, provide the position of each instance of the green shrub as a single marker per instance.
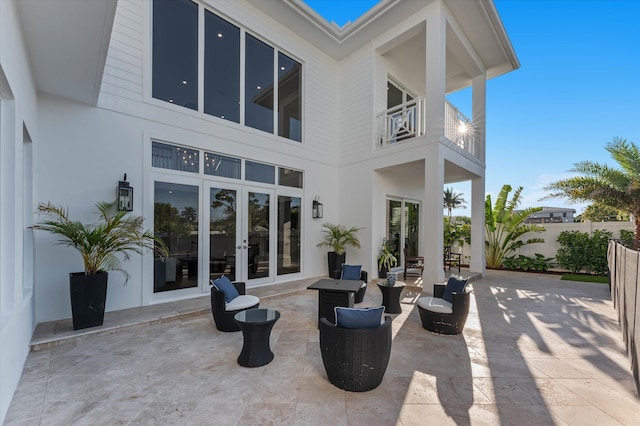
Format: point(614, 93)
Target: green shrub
point(626, 238)
point(580, 251)
point(539, 263)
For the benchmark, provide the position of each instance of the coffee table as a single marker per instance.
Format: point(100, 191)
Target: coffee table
point(391, 297)
point(332, 293)
point(256, 325)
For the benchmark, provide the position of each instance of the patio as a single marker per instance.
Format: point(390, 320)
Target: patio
point(535, 350)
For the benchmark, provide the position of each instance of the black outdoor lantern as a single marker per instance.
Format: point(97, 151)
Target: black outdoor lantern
point(316, 210)
point(124, 195)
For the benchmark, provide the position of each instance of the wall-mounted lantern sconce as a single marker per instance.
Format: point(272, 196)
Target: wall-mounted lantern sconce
point(124, 195)
point(316, 210)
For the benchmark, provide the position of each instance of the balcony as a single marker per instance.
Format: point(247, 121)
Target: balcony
point(407, 121)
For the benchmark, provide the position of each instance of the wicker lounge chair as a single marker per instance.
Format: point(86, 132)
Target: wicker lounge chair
point(223, 312)
point(355, 359)
point(443, 317)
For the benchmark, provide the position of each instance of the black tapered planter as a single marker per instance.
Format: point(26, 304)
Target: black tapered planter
point(335, 262)
point(382, 273)
point(88, 297)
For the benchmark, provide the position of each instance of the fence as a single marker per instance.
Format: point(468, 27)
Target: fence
point(624, 267)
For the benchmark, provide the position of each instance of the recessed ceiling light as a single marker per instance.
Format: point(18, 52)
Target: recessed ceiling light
point(219, 35)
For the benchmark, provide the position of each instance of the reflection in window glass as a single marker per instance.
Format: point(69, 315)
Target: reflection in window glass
point(258, 211)
point(220, 165)
point(175, 52)
point(258, 172)
point(175, 218)
point(289, 177)
point(394, 95)
point(222, 233)
point(258, 84)
point(174, 157)
point(289, 98)
point(412, 228)
point(288, 235)
point(221, 68)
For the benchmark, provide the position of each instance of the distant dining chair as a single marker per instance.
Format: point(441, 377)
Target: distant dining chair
point(413, 265)
point(451, 259)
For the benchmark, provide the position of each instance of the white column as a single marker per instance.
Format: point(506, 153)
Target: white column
point(435, 78)
point(479, 111)
point(433, 228)
point(477, 264)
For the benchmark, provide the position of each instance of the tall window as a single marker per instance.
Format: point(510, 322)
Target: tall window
point(288, 235)
point(221, 68)
point(270, 85)
point(175, 52)
point(258, 85)
point(289, 98)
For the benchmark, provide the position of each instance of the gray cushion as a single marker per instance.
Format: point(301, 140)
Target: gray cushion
point(435, 304)
point(243, 301)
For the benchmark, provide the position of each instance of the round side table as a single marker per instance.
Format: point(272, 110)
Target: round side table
point(391, 297)
point(256, 325)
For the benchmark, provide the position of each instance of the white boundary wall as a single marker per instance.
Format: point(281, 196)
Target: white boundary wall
point(550, 247)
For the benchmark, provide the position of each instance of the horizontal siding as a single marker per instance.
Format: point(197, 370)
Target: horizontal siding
point(123, 71)
point(356, 103)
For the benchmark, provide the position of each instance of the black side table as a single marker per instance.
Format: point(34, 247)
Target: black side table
point(256, 325)
point(391, 297)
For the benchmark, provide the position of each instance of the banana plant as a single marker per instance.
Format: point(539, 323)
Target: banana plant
point(505, 227)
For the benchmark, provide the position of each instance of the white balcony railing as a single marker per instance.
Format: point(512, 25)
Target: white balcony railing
point(408, 121)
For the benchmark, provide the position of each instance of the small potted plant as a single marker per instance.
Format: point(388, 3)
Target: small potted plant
point(100, 245)
point(386, 260)
point(338, 237)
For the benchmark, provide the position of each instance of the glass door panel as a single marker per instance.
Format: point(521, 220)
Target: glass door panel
point(412, 228)
point(176, 223)
point(258, 234)
point(223, 228)
point(394, 226)
point(288, 235)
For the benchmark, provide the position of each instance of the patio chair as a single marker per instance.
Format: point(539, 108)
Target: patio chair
point(451, 259)
point(446, 312)
point(413, 265)
point(223, 311)
point(351, 273)
point(355, 359)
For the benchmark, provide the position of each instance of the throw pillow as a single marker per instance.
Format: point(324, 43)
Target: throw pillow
point(224, 285)
point(454, 285)
point(359, 317)
point(350, 272)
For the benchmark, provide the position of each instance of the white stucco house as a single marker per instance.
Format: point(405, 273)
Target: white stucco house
point(229, 119)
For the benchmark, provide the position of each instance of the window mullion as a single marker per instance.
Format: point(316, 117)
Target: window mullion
point(242, 75)
point(276, 84)
point(201, 42)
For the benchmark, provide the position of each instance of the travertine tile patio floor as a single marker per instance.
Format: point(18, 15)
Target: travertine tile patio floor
point(535, 351)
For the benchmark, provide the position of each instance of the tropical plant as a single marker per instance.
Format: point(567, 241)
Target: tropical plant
point(100, 244)
point(504, 226)
point(338, 237)
point(453, 200)
point(458, 232)
point(598, 212)
point(538, 263)
point(600, 183)
point(386, 258)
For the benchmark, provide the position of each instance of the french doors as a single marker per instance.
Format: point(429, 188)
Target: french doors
point(241, 232)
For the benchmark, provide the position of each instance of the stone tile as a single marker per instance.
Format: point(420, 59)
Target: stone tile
point(534, 351)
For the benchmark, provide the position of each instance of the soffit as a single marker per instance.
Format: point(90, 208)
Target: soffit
point(478, 19)
point(67, 42)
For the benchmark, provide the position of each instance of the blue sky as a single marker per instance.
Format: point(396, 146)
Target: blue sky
point(578, 87)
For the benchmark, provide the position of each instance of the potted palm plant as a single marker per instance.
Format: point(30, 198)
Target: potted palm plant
point(386, 260)
point(338, 237)
point(101, 245)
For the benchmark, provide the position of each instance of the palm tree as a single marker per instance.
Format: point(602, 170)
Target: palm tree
point(453, 200)
point(504, 226)
point(616, 188)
